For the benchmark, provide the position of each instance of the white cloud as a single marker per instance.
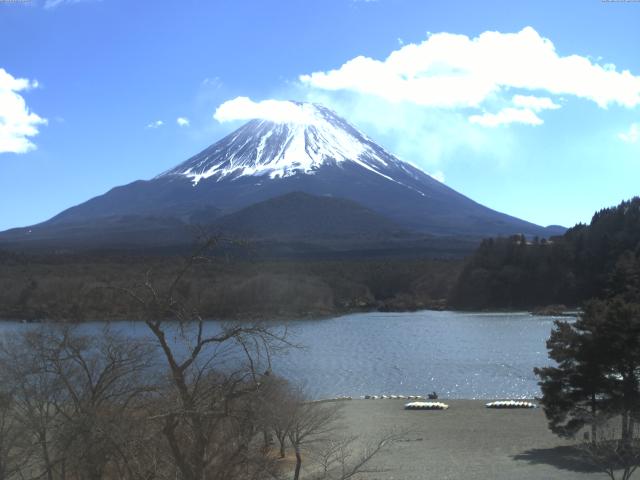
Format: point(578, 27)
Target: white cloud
point(524, 110)
point(214, 82)
point(243, 108)
point(455, 71)
point(436, 101)
point(536, 104)
point(17, 122)
point(506, 116)
point(632, 135)
point(183, 121)
point(156, 124)
point(426, 138)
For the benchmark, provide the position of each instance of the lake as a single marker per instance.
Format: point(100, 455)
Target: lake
point(459, 355)
point(456, 354)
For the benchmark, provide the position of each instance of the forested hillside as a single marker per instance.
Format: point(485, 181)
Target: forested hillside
point(596, 260)
point(90, 287)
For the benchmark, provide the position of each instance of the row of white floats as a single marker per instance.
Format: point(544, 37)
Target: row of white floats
point(511, 404)
point(426, 406)
point(374, 397)
point(444, 406)
point(421, 405)
point(393, 397)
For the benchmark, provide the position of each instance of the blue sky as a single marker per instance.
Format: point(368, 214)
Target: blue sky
point(539, 119)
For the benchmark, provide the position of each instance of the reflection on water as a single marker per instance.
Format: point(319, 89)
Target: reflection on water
point(459, 355)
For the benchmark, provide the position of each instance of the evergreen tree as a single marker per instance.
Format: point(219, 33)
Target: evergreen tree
point(573, 392)
point(596, 381)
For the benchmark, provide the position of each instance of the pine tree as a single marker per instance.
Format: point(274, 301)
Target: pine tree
point(596, 382)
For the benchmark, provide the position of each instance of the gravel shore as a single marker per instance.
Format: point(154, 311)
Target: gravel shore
point(467, 441)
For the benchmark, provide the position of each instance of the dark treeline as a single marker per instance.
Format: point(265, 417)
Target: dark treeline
point(600, 260)
point(81, 287)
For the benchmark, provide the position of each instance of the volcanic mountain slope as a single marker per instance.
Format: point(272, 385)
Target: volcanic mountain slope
point(318, 153)
point(299, 215)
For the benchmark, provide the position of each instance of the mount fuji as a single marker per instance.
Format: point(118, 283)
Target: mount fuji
point(312, 172)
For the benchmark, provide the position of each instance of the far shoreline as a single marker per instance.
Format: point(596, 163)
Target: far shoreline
point(307, 316)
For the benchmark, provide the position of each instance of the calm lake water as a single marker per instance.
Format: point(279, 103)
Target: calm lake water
point(459, 355)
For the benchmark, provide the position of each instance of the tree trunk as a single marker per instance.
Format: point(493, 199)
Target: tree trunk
point(45, 456)
point(628, 406)
point(283, 453)
point(594, 427)
point(625, 431)
point(63, 469)
point(296, 474)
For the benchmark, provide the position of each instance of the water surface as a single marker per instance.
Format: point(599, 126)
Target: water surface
point(458, 355)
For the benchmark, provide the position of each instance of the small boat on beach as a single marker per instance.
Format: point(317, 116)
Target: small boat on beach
point(426, 406)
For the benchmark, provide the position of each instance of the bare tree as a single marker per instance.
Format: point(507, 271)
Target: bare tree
point(73, 395)
point(35, 394)
point(614, 452)
point(15, 448)
point(213, 374)
point(341, 459)
point(310, 423)
point(278, 403)
point(314, 430)
point(105, 382)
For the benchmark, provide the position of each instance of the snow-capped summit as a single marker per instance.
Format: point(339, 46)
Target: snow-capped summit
point(299, 143)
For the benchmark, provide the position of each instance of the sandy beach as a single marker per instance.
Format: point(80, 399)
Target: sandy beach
point(467, 441)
